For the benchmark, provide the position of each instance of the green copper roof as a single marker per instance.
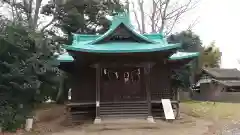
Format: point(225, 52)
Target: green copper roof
point(183, 55)
point(120, 18)
point(84, 37)
point(102, 44)
point(89, 37)
point(176, 56)
point(65, 58)
point(121, 47)
point(138, 43)
point(117, 21)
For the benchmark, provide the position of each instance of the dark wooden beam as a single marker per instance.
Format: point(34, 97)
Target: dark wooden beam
point(147, 70)
point(122, 64)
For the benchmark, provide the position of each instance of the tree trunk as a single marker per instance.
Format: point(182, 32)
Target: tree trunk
point(140, 3)
point(59, 97)
point(36, 13)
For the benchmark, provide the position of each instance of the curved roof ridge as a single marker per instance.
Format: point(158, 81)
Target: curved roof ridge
point(110, 31)
point(117, 21)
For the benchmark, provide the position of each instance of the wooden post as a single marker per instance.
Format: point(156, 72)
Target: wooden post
point(177, 105)
point(147, 85)
point(98, 75)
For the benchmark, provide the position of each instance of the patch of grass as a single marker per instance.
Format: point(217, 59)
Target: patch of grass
point(211, 110)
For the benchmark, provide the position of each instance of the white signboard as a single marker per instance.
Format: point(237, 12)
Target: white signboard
point(168, 111)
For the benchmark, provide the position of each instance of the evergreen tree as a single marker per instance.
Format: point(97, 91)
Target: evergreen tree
point(210, 56)
point(27, 74)
point(24, 67)
point(85, 17)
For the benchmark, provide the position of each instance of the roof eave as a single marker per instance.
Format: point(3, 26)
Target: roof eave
point(226, 83)
point(173, 46)
point(191, 56)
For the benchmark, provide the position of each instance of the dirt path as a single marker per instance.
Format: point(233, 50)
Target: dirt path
point(185, 126)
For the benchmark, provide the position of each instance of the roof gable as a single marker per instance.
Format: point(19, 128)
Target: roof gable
point(122, 34)
point(121, 27)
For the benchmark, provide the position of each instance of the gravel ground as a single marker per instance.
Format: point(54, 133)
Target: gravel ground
point(231, 129)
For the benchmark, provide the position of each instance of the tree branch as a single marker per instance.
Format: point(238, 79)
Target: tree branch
point(136, 17)
point(36, 13)
point(140, 4)
point(27, 8)
point(50, 23)
point(172, 25)
point(14, 8)
point(195, 22)
point(152, 18)
point(13, 13)
point(163, 19)
point(182, 9)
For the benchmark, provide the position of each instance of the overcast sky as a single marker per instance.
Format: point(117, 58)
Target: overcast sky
point(219, 20)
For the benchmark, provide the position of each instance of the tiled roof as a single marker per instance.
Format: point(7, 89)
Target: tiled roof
point(220, 73)
point(230, 83)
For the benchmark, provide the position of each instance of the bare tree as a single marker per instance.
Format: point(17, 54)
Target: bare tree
point(27, 12)
point(163, 14)
point(193, 24)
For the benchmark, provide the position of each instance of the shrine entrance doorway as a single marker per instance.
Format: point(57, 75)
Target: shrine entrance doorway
point(122, 85)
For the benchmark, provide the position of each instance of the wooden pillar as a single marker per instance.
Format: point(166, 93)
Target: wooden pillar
point(98, 77)
point(147, 69)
